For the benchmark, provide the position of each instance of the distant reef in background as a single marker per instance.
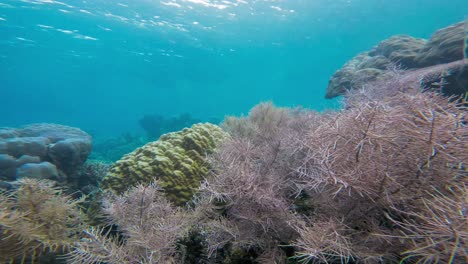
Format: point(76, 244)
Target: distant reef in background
point(437, 63)
point(111, 149)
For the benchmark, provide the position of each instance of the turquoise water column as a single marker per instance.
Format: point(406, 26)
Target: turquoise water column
point(465, 47)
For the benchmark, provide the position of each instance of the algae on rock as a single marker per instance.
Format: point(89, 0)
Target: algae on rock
point(177, 160)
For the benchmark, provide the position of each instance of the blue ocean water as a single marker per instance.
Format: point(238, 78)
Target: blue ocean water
point(101, 65)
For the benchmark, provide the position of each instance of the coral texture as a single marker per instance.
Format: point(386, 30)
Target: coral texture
point(61, 149)
point(176, 159)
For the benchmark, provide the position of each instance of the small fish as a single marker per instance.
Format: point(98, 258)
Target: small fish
point(434, 152)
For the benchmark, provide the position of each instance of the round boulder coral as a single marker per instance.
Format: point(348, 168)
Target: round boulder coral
point(64, 147)
point(177, 160)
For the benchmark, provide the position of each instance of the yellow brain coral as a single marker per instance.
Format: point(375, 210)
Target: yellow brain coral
point(177, 160)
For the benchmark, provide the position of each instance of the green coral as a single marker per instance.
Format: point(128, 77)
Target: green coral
point(177, 160)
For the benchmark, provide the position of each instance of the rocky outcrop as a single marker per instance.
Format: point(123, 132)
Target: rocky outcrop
point(400, 49)
point(446, 45)
point(408, 54)
point(42, 151)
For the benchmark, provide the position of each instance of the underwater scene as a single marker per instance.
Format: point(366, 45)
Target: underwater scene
point(234, 131)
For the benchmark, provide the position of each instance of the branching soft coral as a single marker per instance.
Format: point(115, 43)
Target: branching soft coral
point(250, 186)
point(150, 228)
point(37, 218)
point(323, 242)
point(377, 164)
point(439, 232)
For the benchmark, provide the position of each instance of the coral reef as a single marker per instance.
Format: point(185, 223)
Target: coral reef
point(376, 166)
point(368, 184)
point(150, 229)
point(384, 180)
point(381, 181)
point(42, 151)
point(36, 219)
point(157, 125)
point(177, 159)
point(112, 149)
point(87, 177)
point(445, 46)
point(248, 199)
